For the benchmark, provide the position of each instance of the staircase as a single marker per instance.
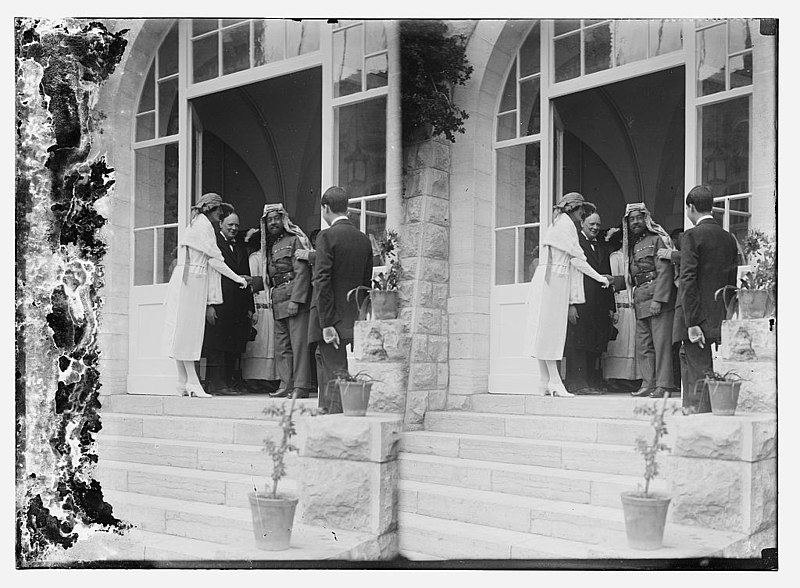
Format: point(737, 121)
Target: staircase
point(180, 470)
point(532, 477)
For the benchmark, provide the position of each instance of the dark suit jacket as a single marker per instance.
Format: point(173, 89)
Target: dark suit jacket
point(232, 328)
point(593, 328)
point(709, 261)
point(342, 262)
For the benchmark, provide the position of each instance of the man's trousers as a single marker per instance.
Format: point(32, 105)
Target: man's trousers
point(694, 364)
point(292, 353)
point(330, 363)
point(654, 350)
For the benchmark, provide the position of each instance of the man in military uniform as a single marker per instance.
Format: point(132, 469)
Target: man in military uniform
point(653, 299)
point(290, 282)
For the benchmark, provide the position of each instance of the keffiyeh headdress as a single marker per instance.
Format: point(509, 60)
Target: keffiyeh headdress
point(288, 226)
point(650, 225)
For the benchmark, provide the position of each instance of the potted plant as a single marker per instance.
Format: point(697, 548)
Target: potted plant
point(645, 511)
point(273, 513)
point(354, 391)
point(382, 295)
point(723, 391)
point(757, 286)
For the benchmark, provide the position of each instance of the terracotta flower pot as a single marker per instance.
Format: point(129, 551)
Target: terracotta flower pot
point(355, 397)
point(645, 519)
point(384, 304)
point(273, 519)
point(723, 396)
point(753, 304)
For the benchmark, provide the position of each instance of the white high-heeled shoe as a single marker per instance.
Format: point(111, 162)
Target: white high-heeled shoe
point(197, 391)
point(181, 389)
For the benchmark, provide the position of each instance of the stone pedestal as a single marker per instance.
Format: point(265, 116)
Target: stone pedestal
point(748, 348)
point(381, 349)
point(348, 475)
point(723, 473)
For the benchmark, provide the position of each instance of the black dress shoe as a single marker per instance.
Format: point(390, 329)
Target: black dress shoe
point(301, 392)
point(659, 393)
point(642, 392)
point(280, 393)
point(226, 391)
point(588, 392)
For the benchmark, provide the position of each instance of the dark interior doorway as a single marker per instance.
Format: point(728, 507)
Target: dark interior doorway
point(624, 142)
point(262, 143)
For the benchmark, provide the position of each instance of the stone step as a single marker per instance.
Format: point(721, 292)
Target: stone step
point(190, 428)
point(582, 523)
point(557, 428)
point(220, 457)
point(455, 540)
point(210, 487)
point(570, 455)
point(247, 406)
point(523, 480)
point(608, 406)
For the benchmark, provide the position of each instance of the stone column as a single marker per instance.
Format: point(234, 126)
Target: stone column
point(424, 285)
point(348, 476)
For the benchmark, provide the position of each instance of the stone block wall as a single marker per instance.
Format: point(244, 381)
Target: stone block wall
point(381, 349)
point(748, 348)
point(424, 285)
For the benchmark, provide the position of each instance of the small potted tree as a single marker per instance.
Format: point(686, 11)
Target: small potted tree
point(645, 511)
point(382, 295)
point(273, 513)
point(354, 391)
point(723, 391)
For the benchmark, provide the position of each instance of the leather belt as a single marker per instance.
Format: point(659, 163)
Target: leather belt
point(262, 305)
point(624, 305)
point(283, 278)
point(644, 278)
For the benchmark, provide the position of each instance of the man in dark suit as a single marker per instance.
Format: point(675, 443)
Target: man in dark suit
point(343, 261)
point(589, 325)
point(228, 324)
point(708, 262)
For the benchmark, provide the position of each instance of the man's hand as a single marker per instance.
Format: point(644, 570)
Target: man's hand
point(301, 254)
point(331, 336)
point(665, 253)
point(211, 315)
point(572, 315)
point(655, 308)
point(696, 336)
point(292, 308)
point(254, 318)
point(615, 317)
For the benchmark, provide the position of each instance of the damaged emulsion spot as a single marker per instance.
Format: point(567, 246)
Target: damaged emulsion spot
point(60, 66)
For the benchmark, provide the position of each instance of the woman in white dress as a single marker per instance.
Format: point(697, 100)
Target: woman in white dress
point(619, 362)
point(195, 283)
point(557, 283)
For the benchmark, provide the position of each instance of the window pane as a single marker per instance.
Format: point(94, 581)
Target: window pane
point(354, 214)
point(147, 101)
point(597, 48)
point(168, 54)
point(665, 36)
point(740, 204)
point(377, 68)
point(504, 258)
point(529, 53)
point(726, 146)
point(506, 126)
point(564, 26)
point(226, 22)
point(508, 101)
point(268, 41)
point(168, 108)
point(529, 257)
point(204, 59)
point(145, 126)
point(529, 122)
point(361, 131)
point(739, 35)
point(740, 225)
point(143, 258)
point(567, 57)
point(167, 256)
point(203, 25)
point(236, 49)
point(347, 58)
point(301, 37)
point(741, 70)
point(630, 41)
point(376, 223)
point(375, 30)
point(156, 190)
point(518, 174)
point(711, 58)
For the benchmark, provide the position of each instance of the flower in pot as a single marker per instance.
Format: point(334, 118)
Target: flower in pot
point(723, 391)
point(354, 391)
point(757, 286)
point(382, 295)
point(273, 513)
point(646, 511)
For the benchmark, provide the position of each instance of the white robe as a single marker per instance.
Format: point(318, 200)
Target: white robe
point(195, 283)
point(258, 361)
point(619, 361)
